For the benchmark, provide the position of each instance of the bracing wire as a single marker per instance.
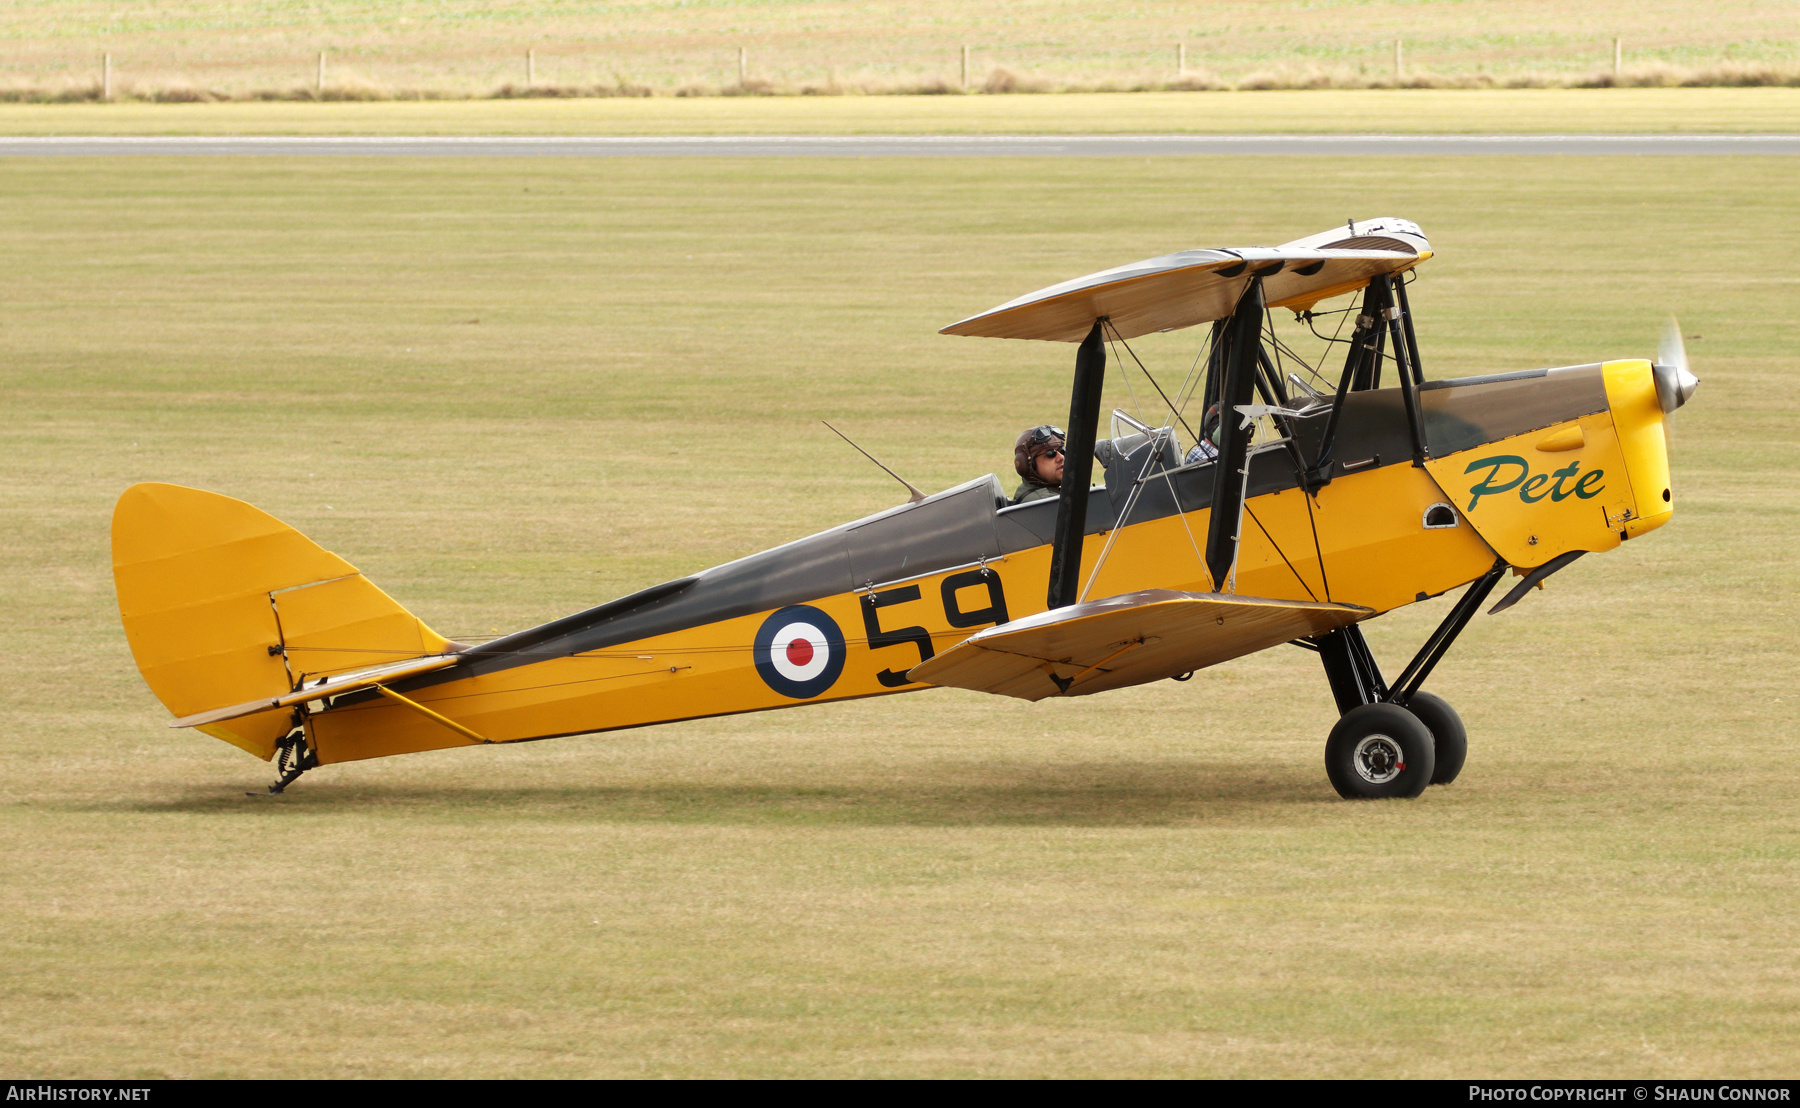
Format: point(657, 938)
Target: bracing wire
point(1324, 578)
point(1312, 371)
point(1185, 394)
point(1137, 489)
point(1284, 558)
point(1181, 513)
point(1173, 410)
point(1136, 405)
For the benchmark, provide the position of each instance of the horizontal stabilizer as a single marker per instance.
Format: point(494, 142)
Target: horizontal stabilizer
point(322, 689)
point(1125, 640)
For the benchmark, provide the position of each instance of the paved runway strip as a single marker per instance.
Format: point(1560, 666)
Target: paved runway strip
point(899, 146)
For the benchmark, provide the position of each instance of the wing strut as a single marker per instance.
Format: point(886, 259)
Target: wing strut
point(1385, 322)
point(1402, 342)
point(1078, 467)
point(1243, 334)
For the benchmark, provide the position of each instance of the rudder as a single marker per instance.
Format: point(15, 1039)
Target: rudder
point(223, 603)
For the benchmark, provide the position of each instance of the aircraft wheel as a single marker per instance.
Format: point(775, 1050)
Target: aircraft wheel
point(1450, 741)
point(1377, 751)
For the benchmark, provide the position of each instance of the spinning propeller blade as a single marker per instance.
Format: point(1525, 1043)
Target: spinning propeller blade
point(1675, 384)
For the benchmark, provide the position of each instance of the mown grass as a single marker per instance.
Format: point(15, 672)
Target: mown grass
point(510, 388)
point(1412, 111)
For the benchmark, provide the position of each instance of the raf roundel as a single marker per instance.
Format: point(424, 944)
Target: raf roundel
point(799, 651)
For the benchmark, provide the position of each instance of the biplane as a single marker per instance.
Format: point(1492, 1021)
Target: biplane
point(1325, 498)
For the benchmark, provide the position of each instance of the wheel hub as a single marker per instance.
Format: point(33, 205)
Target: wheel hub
point(1378, 759)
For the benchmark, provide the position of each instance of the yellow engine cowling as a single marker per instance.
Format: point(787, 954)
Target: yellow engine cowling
point(1583, 484)
point(1638, 422)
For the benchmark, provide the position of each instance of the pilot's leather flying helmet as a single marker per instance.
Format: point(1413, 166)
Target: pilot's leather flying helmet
point(1032, 445)
point(1209, 424)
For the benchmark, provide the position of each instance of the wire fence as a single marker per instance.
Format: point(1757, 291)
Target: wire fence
point(847, 69)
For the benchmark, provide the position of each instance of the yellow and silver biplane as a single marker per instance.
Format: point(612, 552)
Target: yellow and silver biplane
point(1311, 510)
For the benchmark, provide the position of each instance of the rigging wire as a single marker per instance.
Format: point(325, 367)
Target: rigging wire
point(1173, 410)
point(1185, 395)
point(1277, 546)
point(1137, 489)
point(1136, 404)
point(1181, 513)
point(1280, 381)
point(1284, 348)
point(1324, 579)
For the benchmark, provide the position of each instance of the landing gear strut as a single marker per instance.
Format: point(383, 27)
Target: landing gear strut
point(1395, 740)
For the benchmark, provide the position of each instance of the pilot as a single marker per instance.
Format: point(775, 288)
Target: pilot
point(1038, 456)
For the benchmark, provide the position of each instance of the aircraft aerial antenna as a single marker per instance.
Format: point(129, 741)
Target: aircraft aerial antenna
point(916, 494)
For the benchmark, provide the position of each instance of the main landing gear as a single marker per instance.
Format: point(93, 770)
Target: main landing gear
point(1394, 740)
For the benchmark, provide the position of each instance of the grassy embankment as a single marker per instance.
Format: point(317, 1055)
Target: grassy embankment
point(475, 47)
point(510, 388)
point(1649, 111)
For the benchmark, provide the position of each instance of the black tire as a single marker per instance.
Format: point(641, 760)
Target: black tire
point(1449, 739)
point(1378, 751)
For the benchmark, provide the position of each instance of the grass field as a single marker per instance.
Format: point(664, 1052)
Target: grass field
point(1412, 111)
point(507, 389)
point(471, 46)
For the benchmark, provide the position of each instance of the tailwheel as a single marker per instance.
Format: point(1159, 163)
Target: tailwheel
point(293, 758)
point(1377, 751)
point(1450, 741)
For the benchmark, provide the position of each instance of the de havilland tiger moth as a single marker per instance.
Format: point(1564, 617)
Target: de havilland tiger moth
point(1317, 502)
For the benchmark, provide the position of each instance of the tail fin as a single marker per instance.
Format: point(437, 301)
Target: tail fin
point(223, 603)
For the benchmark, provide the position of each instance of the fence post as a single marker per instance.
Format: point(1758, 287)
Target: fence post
point(106, 77)
point(743, 66)
point(965, 66)
point(1398, 57)
point(530, 68)
point(1180, 60)
point(1618, 56)
point(321, 82)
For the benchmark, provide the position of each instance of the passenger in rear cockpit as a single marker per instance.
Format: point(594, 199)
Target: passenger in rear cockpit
point(1207, 448)
point(1038, 458)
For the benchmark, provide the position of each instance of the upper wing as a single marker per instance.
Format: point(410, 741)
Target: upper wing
point(1125, 640)
point(1198, 286)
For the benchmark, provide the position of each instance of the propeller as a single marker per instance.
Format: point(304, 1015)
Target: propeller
point(1675, 384)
